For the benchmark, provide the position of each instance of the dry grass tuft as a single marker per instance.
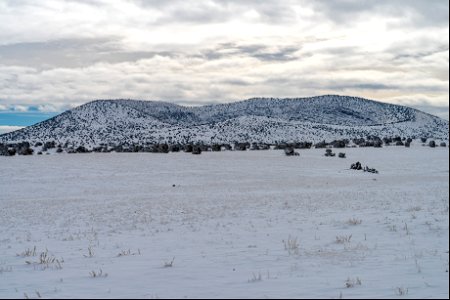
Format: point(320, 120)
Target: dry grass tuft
point(292, 246)
point(98, 274)
point(351, 283)
point(354, 221)
point(169, 264)
point(343, 239)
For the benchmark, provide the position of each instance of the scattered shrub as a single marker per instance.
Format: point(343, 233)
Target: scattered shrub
point(216, 148)
point(289, 151)
point(356, 166)
point(196, 150)
point(329, 153)
point(351, 283)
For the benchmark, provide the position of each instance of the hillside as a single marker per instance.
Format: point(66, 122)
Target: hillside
point(264, 120)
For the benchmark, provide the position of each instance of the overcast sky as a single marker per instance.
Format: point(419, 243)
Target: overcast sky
point(56, 54)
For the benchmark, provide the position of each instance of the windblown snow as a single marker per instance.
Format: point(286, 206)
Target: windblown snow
point(253, 224)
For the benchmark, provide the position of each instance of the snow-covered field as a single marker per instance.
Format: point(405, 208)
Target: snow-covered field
point(232, 224)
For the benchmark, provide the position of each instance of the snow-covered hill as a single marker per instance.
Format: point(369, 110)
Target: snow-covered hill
point(264, 120)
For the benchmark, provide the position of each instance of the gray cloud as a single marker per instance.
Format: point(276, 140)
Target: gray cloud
point(258, 51)
point(71, 53)
point(408, 12)
point(56, 54)
point(214, 11)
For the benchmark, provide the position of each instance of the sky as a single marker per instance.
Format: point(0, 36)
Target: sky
point(58, 54)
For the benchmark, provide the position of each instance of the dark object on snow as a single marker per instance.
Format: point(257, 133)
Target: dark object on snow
point(196, 150)
point(408, 144)
point(443, 144)
point(174, 148)
point(321, 145)
point(12, 151)
point(264, 146)
point(24, 149)
point(163, 148)
point(49, 145)
point(339, 143)
point(81, 149)
point(289, 151)
point(227, 147)
point(216, 148)
point(356, 166)
point(370, 170)
point(329, 153)
point(188, 148)
point(432, 144)
point(423, 140)
point(342, 155)
point(241, 146)
point(303, 145)
point(379, 144)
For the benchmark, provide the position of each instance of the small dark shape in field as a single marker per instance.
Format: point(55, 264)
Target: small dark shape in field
point(356, 166)
point(197, 150)
point(443, 144)
point(340, 143)
point(342, 155)
point(370, 170)
point(321, 145)
point(24, 149)
point(175, 148)
point(49, 145)
point(329, 153)
point(241, 146)
point(378, 144)
point(216, 148)
point(432, 144)
point(81, 149)
point(227, 147)
point(289, 151)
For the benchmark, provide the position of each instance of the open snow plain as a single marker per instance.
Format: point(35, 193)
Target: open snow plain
point(231, 224)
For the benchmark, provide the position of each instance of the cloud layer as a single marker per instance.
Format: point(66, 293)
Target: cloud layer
point(57, 54)
point(6, 129)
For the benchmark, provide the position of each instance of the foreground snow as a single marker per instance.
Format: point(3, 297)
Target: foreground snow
point(248, 224)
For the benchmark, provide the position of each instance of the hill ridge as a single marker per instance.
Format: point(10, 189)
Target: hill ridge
point(265, 120)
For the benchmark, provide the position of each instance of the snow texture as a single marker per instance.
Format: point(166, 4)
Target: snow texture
point(256, 120)
point(228, 224)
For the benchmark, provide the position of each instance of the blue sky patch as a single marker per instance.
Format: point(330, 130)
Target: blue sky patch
point(24, 119)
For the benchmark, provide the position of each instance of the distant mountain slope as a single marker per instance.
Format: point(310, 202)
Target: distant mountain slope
point(255, 120)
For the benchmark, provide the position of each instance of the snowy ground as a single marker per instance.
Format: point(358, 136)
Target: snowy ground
point(253, 225)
